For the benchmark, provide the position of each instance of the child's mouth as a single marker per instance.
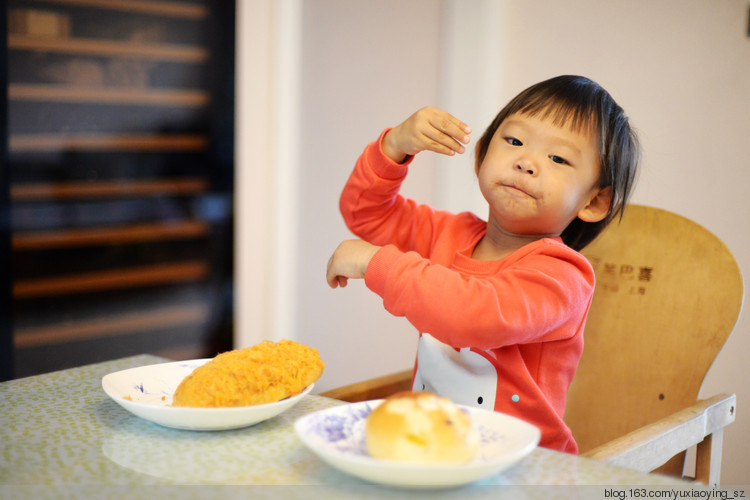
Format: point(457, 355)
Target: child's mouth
point(517, 191)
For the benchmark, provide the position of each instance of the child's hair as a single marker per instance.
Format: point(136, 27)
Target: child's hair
point(581, 104)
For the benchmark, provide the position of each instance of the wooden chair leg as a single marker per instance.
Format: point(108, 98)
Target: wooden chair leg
point(708, 459)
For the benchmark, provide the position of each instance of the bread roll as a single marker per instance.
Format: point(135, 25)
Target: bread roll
point(420, 427)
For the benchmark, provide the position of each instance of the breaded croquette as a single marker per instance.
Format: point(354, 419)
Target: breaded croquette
point(264, 373)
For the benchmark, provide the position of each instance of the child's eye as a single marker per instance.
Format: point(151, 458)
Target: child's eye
point(513, 141)
point(558, 159)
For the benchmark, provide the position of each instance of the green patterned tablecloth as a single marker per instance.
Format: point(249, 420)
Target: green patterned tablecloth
point(60, 433)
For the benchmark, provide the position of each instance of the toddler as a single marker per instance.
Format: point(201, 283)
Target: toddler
point(501, 304)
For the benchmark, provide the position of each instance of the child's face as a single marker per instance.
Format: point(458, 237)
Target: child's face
point(538, 177)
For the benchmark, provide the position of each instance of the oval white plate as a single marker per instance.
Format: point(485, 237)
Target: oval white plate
point(337, 436)
point(150, 389)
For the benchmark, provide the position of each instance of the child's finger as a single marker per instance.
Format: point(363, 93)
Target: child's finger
point(441, 142)
point(446, 134)
point(331, 276)
point(450, 126)
point(337, 281)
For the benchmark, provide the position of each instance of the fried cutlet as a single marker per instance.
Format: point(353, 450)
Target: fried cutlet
point(264, 373)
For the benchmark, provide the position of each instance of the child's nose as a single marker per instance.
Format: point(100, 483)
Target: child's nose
point(526, 167)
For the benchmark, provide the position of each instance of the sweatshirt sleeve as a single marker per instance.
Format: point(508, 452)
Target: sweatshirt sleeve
point(374, 210)
point(541, 296)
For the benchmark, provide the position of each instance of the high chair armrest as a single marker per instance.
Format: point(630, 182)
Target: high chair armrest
point(651, 446)
point(374, 388)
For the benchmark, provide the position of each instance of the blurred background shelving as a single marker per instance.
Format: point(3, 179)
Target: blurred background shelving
point(119, 154)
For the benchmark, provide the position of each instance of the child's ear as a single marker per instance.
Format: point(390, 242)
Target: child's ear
point(598, 207)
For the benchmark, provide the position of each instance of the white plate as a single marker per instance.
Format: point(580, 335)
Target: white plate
point(150, 389)
point(337, 436)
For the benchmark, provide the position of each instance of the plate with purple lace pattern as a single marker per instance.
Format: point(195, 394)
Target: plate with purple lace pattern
point(337, 436)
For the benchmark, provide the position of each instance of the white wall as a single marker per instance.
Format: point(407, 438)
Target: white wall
point(680, 68)
point(376, 69)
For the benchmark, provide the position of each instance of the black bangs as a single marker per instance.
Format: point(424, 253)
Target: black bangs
point(564, 115)
point(571, 102)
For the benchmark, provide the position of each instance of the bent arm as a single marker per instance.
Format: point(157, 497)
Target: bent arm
point(374, 210)
point(536, 299)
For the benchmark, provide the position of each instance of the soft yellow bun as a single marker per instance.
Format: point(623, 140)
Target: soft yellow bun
point(420, 427)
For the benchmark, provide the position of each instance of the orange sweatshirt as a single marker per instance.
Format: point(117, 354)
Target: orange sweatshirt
point(503, 334)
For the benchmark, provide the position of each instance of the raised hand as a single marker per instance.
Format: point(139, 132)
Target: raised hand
point(429, 129)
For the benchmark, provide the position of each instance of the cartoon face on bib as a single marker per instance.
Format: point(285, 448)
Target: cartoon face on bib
point(464, 376)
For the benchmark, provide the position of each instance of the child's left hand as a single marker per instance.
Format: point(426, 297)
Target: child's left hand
point(350, 260)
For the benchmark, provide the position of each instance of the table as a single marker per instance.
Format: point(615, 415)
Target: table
point(62, 436)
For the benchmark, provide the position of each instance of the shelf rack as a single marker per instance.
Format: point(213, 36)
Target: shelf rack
point(133, 282)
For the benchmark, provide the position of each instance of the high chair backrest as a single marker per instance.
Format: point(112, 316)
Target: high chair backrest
point(668, 295)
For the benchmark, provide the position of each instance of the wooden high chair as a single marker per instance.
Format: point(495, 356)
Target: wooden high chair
point(668, 295)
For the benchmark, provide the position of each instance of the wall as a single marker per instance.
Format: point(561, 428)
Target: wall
point(680, 68)
point(378, 68)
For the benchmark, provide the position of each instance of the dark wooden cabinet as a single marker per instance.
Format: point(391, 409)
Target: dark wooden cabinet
point(119, 171)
